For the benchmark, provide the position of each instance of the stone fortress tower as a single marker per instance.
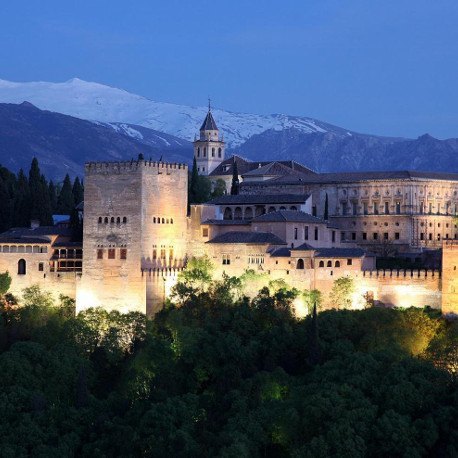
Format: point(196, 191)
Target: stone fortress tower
point(134, 233)
point(209, 147)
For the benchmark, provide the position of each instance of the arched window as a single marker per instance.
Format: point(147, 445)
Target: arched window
point(227, 213)
point(112, 220)
point(205, 152)
point(293, 207)
point(271, 209)
point(163, 220)
point(21, 267)
point(106, 220)
point(198, 152)
point(171, 220)
point(159, 221)
point(213, 152)
point(100, 220)
point(282, 208)
point(321, 264)
point(154, 219)
point(329, 264)
point(219, 152)
point(300, 264)
point(118, 220)
point(124, 220)
point(238, 213)
point(337, 264)
point(248, 213)
point(167, 221)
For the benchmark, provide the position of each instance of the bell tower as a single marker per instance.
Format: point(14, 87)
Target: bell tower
point(209, 147)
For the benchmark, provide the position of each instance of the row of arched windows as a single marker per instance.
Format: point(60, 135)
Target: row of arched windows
point(213, 152)
point(23, 249)
point(301, 265)
point(158, 220)
point(112, 220)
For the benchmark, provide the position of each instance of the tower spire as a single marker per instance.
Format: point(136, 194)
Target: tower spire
point(209, 104)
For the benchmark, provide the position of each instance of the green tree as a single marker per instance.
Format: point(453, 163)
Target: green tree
point(235, 179)
point(341, 293)
point(66, 201)
point(326, 208)
point(40, 202)
point(5, 283)
point(22, 201)
point(219, 188)
point(77, 191)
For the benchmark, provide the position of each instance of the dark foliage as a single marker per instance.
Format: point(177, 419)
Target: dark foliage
point(225, 377)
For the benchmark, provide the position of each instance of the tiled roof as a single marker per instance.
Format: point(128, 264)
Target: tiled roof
point(246, 199)
point(36, 232)
point(282, 252)
point(304, 247)
point(278, 168)
point(24, 240)
point(209, 123)
point(227, 222)
point(339, 253)
point(351, 177)
point(245, 166)
point(259, 238)
point(289, 215)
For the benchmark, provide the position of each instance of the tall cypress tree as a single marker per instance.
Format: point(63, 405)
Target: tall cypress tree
point(193, 183)
point(313, 340)
point(65, 201)
point(52, 196)
point(235, 179)
point(326, 210)
point(77, 191)
point(22, 206)
point(40, 203)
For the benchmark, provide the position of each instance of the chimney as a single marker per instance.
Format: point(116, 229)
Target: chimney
point(34, 223)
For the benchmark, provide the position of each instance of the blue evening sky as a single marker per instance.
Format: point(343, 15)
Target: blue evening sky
point(384, 67)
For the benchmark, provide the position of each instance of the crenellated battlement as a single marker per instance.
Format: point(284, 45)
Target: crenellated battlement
point(403, 274)
point(132, 166)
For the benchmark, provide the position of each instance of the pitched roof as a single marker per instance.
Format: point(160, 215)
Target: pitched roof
point(227, 222)
point(256, 238)
point(282, 252)
point(351, 177)
point(273, 169)
point(39, 231)
point(303, 247)
point(24, 240)
point(246, 199)
point(245, 166)
point(288, 215)
point(209, 123)
point(339, 253)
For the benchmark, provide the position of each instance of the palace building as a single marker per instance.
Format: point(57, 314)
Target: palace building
point(284, 221)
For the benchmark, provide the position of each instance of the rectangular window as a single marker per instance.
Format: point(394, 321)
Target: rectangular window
point(306, 233)
point(430, 236)
point(41, 267)
point(385, 235)
point(111, 253)
point(422, 207)
point(349, 262)
point(342, 236)
point(398, 208)
point(316, 233)
point(387, 208)
point(162, 252)
point(205, 232)
point(375, 209)
point(355, 208)
point(314, 211)
point(226, 259)
point(99, 254)
point(430, 209)
point(365, 209)
point(353, 235)
point(364, 235)
point(295, 233)
point(422, 236)
point(154, 252)
point(333, 236)
point(171, 253)
point(344, 208)
point(123, 253)
point(375, 236)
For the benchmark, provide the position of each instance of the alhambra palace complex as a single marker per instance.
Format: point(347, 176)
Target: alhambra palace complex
point(284, 220)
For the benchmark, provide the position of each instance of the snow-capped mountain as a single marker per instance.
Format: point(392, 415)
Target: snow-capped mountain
point(97, 102)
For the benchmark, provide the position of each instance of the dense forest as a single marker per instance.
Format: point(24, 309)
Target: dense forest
point(32, 197)
point(218, 374)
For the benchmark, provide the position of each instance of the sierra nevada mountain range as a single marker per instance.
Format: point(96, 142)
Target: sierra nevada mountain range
point(66, 124)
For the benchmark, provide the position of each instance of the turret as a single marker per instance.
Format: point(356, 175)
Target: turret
point(209, 147)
